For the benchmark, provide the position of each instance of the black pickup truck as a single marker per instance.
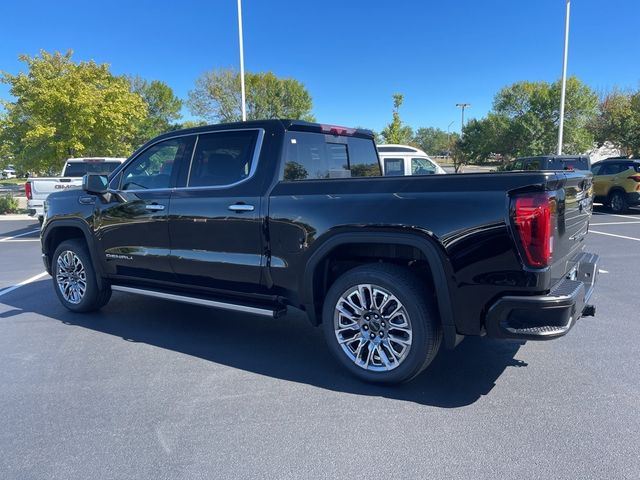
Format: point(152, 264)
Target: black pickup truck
point(263, 216)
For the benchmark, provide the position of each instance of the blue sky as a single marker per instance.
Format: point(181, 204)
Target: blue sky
point(351, 55)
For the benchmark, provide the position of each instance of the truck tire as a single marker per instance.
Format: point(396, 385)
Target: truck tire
point(618, 202)
point(380, 324)
point(74, 278)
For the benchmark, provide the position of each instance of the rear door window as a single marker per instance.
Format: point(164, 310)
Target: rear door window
point(223, 158)
point(311, 156)
point(393, 167)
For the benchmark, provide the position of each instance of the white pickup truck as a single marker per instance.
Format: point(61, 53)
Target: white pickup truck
point(38, 189)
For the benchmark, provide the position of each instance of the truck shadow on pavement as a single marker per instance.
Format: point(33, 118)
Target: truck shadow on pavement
point(288, 348)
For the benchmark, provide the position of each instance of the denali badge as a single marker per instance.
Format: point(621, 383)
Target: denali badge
point(115, 256)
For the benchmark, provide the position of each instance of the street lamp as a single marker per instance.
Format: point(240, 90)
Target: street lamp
point(564, 76)
point(244, 108)
point(462, 106)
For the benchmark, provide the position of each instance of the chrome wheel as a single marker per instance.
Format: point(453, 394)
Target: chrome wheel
point(71, 277)
point(372, 327)
point(617, 202)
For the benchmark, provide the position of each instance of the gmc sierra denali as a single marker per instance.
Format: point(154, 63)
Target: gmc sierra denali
point(262, 216)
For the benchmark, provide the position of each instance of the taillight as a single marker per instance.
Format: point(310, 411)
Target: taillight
point(27, 190)
point(336, 130)
point(533, 215)
point(635, 178)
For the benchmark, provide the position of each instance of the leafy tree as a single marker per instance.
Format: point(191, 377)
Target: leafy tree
point(619, 121)
point(532, 109)
point(163, 108)
point(434, 140)
point(396, 132)
point(216, 97)
point(486, 137)
point(63, 109)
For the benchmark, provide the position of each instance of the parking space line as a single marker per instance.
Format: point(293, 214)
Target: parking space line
point(32, 240)
point(614, 223)
point(611, 235)
point(615, 215)
point(6, 239)
point(23, 283)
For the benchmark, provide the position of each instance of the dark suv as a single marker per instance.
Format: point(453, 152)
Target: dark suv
point(551, 162)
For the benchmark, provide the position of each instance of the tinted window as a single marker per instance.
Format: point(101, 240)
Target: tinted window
point(596, 169)
point(396, 149)
point(532, 165)
point(393, 166)
point(422, 166)
point(315, 156)
point(80, 169)
point(222, 158)
point(153, 167)
point(612, 169)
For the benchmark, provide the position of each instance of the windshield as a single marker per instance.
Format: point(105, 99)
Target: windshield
point(80, 169)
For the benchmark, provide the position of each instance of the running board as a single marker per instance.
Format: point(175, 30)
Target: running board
point(265, 312)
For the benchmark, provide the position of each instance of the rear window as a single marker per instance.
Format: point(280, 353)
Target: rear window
point(570, 164)
point(311, 156)
point(80, 169)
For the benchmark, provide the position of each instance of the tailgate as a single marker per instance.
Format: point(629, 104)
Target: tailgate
point(41, 188)
point(573, 215)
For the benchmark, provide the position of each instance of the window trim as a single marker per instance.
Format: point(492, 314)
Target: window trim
point(254, 161)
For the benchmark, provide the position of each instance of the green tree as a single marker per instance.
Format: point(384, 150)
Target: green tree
point(485, 138)
point(434, 140)
point(532, 109)
point(216, 97)
point(396, 132)
point(619, 121)
point(63, 109)
point(163, 108)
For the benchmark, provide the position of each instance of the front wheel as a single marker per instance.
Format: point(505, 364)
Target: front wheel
point(74, 278)
point(380, 323)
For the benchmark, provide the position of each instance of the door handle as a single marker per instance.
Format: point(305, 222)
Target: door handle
point(241, 207)
point(154, 207)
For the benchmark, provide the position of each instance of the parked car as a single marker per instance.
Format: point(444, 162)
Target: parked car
point(616, 183)
point(406, 160)
point(263, 216)
point(551, 162)
point(9, 172)
point(38, 189)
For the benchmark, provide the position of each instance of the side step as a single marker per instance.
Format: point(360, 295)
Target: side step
point(265, 312)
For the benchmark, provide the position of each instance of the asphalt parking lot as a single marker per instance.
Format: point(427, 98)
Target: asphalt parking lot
point(152, 389)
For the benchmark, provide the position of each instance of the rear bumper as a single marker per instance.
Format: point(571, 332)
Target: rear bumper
point(36, 208)
point(544, 317)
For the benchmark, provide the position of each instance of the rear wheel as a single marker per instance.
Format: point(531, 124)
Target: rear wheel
point(618, 202)
point(380, 324)
point(74, 278)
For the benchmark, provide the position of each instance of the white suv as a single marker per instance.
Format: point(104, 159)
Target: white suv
point(406, 160)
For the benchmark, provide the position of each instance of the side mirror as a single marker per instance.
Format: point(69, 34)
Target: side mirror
point(96, 184)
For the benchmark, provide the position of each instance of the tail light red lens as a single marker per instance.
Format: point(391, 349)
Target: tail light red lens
point(533, 216)
point(635, 178)
point(27, 190)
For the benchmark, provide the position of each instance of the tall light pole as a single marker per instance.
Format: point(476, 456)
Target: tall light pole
point(564, 76)
point(244, 108)
point(462, 106)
